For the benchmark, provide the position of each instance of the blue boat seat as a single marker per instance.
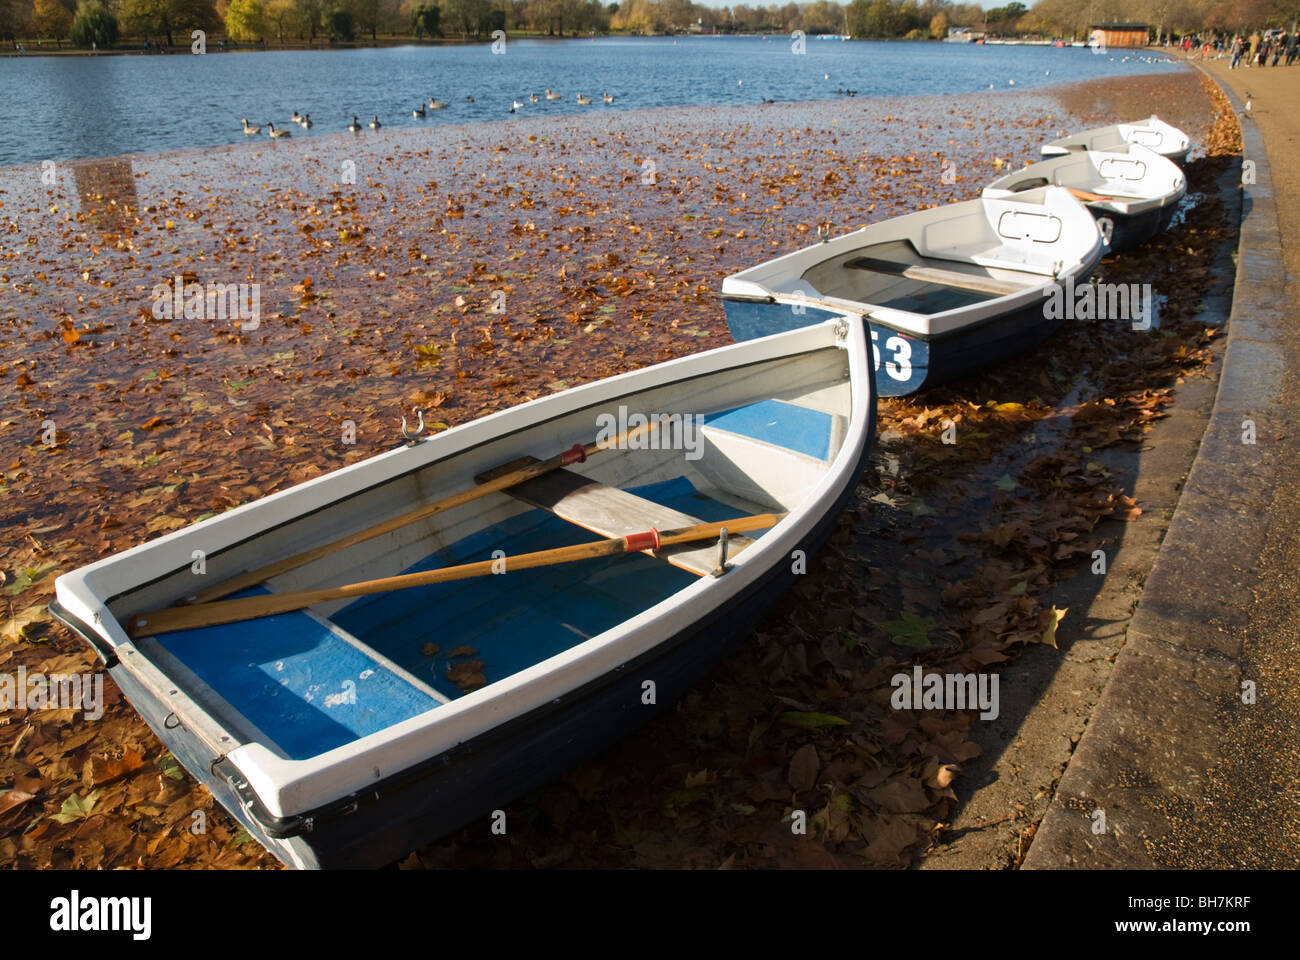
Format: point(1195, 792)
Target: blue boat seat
point(778, 423)
point(302, 681)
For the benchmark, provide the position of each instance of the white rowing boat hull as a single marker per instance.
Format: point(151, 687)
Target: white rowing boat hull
point(947, 291)
point(340, 736)
point(1152, 133)
point(1139, 189)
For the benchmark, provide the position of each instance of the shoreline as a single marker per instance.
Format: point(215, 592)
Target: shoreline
point(400, 41)
point(183, 49)
point(1218, 611)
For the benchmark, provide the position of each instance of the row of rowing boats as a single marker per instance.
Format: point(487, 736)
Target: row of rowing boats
point(538, 583)
point(953, 289)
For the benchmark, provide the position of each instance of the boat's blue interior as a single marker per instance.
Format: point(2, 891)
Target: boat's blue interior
point(310, 690)
point(779, 423)
point(515, 620)
point(930, 298)
point(297, 681)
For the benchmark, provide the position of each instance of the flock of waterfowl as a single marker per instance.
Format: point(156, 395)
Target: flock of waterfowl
point(419, 113)
point(303, 120)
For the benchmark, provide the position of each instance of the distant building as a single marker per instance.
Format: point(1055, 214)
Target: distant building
point(962, 35)
point(1119, 35)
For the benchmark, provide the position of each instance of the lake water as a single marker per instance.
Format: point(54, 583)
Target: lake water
point(70, 107)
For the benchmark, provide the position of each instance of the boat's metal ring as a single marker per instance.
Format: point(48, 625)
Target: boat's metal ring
point(413, 438)
point(167, 721)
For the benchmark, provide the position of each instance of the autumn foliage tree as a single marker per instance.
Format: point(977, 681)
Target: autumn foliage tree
point(280, 14)
point(51, 20)
point(245, 20)
point(94, 25)
point(864, 19)
point(145, 18)
point(424, 20)
point(14, 15)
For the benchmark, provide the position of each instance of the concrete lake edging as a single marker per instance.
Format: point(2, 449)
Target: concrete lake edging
point(1160, 723)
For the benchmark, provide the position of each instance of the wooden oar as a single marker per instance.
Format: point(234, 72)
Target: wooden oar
point(250, 608)
point(575, 454)
point(1086, 196)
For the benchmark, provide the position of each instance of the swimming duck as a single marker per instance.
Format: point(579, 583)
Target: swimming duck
point(296, 118)
point(553, 96)
point(276, 134)
point(516, 105)
point(249, 129)
point(469, 99)
point(375, 124)
point(533, 98)
point(305, 122)
point(436, 104)
point(583, 100)
point(418, 112)
point(608, 98)
point(354, 126)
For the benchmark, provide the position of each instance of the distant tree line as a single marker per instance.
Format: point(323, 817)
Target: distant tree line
point(105, 22)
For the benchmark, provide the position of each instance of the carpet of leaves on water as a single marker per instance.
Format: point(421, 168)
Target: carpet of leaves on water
point(608, 239)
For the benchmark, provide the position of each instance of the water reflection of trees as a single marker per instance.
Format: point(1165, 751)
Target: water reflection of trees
point(105, 189)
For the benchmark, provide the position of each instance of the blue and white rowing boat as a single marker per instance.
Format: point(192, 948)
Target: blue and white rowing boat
point(947, 291)
point(1133, 194)
point(1152, 133)
point(345, 723)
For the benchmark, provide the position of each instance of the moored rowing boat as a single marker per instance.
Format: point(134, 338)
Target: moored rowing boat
point(345, 731)
point(1152, 133)
point(1133, 195)
point(947, 291)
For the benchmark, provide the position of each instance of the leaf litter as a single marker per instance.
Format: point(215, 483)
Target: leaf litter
point(383, 298)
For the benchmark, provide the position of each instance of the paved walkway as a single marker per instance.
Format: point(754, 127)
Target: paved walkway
point(1177, 769)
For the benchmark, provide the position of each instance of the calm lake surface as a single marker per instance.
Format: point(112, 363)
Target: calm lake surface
point(64, 108)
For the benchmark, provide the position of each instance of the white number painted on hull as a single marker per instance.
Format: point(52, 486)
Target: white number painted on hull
point(900, 367)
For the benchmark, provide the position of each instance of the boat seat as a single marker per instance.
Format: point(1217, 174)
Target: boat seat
point(942, 276)
point(303, 683)
point(612, 512)
point(993, 256)
point(890, 256)
point(778, 423)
